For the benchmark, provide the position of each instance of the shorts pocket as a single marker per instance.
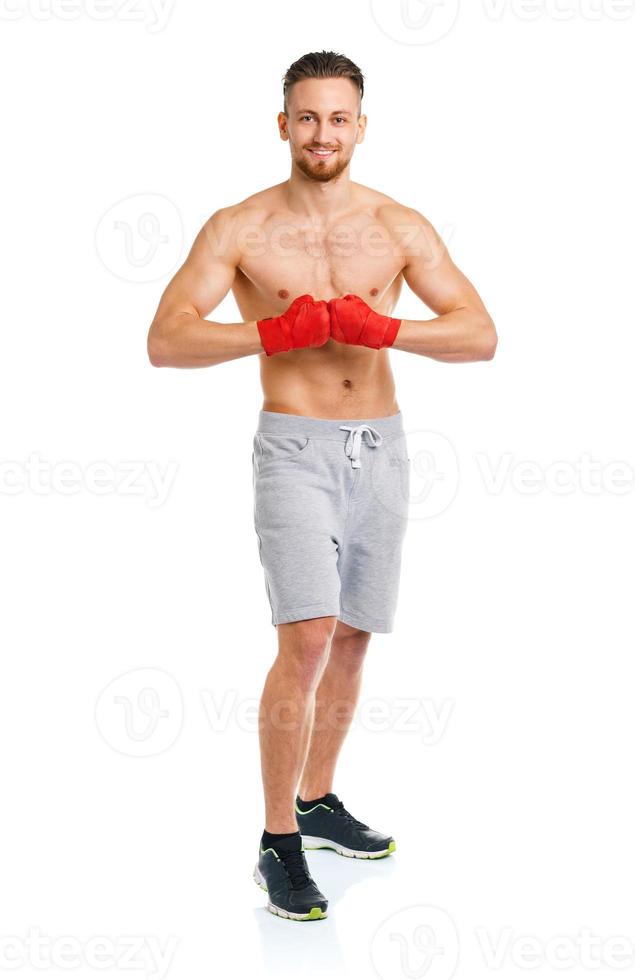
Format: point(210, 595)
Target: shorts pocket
point(270, 447)
point(399, 447)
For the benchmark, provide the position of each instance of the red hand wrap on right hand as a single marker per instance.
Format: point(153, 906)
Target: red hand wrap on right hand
point(306, 323)
point(354, 322)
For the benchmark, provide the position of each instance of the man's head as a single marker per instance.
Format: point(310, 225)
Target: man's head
point(322, 117)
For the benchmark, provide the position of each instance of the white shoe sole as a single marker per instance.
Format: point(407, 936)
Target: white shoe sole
point(315, 843)
point(315, 913)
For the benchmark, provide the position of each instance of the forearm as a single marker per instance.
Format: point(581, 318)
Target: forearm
point(189, 341)
point(462, 335)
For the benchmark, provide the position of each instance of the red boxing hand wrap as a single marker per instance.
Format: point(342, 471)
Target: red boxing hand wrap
point(353, 322)
point(306, 323)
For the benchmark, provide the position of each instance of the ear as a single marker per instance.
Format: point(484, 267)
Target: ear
point(282, 126)
point(361, 129)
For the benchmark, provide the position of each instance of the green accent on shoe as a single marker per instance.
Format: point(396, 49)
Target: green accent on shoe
point(316, 913)
point(368, 854)
point(391, 847)
point(273, 851)
point(316, 807)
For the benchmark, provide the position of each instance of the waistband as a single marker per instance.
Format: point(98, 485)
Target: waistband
point(349, 431)
point(281, 423)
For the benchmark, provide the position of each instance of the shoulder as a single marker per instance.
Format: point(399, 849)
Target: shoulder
point(398, 219)
point(231, 223)
point(416, 236)
point(402, 217)
point(224, 231)
point(255, 206)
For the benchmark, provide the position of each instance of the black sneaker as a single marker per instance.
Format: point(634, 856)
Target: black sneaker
point(329, 824)
point(284, 874)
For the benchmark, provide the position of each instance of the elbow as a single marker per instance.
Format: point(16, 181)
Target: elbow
point(156, 347)
point(488, 340)
point(156, 358)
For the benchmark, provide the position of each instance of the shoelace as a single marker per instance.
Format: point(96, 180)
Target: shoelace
point(294, 864)
point(339, 808)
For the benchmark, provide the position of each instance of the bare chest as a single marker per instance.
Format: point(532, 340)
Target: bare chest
point(281, 260)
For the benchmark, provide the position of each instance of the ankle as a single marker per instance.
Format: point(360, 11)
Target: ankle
point(270, 838)
point(306, 795)
point(281, 827)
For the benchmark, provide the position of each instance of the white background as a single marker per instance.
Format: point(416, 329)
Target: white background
point(495, 730)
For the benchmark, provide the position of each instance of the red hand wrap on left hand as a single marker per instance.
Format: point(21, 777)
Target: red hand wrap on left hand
point(353, 322)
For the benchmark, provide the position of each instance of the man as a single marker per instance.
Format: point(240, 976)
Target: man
point(316, 265)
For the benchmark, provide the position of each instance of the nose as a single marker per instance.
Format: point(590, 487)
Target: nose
point(322, 134)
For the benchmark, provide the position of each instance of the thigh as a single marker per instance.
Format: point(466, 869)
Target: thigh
point(370, 562)
point(296, 520)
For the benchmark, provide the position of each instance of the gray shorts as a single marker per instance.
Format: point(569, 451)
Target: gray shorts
point(330, 512)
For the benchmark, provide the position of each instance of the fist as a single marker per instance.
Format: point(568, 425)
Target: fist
point(306, 323)
point(353, 322)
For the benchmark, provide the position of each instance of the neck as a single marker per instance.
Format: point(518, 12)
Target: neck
point(320, 198)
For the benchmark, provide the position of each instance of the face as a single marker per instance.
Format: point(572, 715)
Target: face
point(322, 126)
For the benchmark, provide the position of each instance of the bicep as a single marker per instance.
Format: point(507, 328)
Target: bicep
point(433, 276)
point(205, 277)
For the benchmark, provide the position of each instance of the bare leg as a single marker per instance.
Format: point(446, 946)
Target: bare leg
point(285, 712)
point(335, 702)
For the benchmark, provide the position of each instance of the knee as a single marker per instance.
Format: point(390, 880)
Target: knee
point(304, 647)
point(349, 647)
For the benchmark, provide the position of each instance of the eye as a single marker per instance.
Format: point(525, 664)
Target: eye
point(307, 116)
point(340, 117)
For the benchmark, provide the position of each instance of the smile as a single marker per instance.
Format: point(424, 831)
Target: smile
point(322, 154)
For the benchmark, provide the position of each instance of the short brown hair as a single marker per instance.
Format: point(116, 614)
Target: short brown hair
point(322, 64)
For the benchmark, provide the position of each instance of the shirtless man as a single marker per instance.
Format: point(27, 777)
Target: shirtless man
point(316, 265)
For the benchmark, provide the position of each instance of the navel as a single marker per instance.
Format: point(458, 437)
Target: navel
point(347, 383)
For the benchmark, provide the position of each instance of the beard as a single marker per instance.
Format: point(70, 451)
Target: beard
point(321, 170)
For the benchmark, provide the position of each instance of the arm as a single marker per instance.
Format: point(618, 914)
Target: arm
point(464, 330)
point(179, 336)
